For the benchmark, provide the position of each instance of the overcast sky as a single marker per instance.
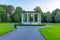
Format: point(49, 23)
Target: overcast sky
point(29, 5)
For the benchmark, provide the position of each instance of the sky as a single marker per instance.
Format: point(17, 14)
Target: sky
point(29, 5)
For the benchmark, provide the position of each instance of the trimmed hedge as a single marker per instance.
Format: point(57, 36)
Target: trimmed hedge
point(20, 24)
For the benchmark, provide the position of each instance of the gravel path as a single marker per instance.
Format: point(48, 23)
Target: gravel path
point(24, 33)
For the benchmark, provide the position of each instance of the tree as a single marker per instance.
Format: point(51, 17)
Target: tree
point(17, 14)
point(38, 10)
point(2, 15)
point(10, 9)
point(47, 17)
point(5, 7)
point(16, 18)
point(57, 17)
point(12, 18)
point(18, 10)
point(54, 14)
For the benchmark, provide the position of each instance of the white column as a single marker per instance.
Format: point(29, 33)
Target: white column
point(39, 18)
point(27, 18)
point(22, 18)
point(33, 18)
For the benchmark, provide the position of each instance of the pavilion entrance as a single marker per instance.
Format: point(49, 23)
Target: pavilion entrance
point(31, 18)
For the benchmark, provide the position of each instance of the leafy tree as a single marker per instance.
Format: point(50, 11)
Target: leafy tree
point(17, 14)
point(54, 14)
point(2, 15)
point(18, 10)
point(5, 7)
point(10, 9)
point(16, 18)
point(44, 17)
point(38, 10)
point(57, 17)
point(48, 17)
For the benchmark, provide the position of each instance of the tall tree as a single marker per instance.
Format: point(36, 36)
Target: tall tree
point(5, 7)
point(38, 9)
point(54, 14)
point(47, 17)
point(2, 15)
point(10, 9)
point(17, 14)
point(57, 17)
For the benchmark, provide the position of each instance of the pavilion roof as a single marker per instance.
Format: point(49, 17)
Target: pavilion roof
point(29, 12)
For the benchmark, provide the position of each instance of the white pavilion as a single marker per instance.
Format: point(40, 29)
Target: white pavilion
point(31, 17)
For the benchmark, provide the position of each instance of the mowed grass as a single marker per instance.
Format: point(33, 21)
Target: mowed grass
point(5, 28)
point(51, 33)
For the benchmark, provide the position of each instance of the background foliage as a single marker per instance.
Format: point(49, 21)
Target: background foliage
point(8, 13)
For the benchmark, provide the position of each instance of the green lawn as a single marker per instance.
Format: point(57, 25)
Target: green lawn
point(5, 28)
point(51, 33)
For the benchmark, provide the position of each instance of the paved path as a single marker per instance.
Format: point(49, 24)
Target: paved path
point(24, 33)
